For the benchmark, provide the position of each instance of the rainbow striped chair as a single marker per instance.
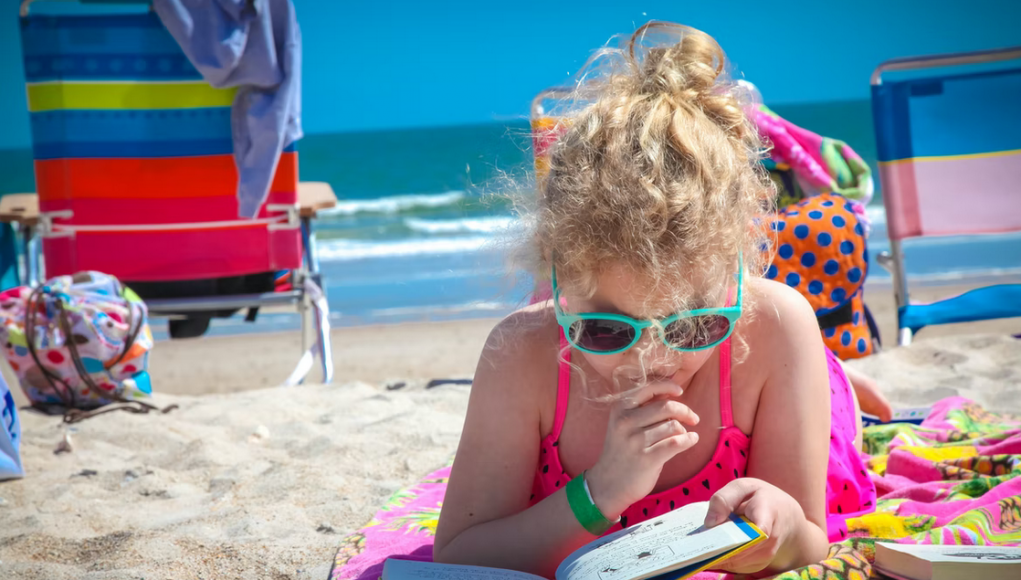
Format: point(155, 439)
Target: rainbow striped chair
point(136, 178)
point(949, 164)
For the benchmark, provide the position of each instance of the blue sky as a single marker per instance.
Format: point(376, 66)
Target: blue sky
point(395, 64)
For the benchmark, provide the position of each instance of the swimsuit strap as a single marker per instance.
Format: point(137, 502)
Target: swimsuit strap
point(726, 411)
point(563, 386)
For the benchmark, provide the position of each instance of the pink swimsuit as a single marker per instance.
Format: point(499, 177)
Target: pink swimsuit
point(849, 490)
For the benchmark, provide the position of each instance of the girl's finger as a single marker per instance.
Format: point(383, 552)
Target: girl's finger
point(662, 430)
point(667, 448)
point(648, 392)
point(762, 514)
point(656, 412)
point(729, 500)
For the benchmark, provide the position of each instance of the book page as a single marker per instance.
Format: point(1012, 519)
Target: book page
point(395, 569)
point(653, 546)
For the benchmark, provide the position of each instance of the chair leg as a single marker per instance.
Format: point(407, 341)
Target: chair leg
point(904, 337)
point(311, 256)
point(31, 255)
point(325, 353)
point(312, 270)
point(900, 289)
point(305, 310)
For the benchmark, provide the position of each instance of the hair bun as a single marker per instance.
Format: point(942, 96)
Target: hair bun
point(655, 169)
point(688, 65)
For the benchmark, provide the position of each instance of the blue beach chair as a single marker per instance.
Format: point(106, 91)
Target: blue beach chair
point(949, 164)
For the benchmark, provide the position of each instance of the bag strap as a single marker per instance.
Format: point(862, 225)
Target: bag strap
point(841, 315)
point(64, 391)
point(142, 408)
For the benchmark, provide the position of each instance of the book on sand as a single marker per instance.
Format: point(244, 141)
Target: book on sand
point(940, 562)
point(913, 415)
point(673, 546)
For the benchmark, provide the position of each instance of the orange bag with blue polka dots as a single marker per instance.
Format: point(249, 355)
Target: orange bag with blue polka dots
point(820, 251)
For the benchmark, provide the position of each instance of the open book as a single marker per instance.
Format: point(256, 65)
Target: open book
point(938, 562)
point(673, 546)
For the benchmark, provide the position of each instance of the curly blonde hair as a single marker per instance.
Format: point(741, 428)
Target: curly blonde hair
point(656, 169)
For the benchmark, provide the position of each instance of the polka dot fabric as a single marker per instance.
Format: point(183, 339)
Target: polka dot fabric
point(820, 251)
point(852, 339)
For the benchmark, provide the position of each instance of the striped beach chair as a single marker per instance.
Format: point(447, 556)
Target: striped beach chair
point(949, 164)
point(136, 178)
point(546, 127)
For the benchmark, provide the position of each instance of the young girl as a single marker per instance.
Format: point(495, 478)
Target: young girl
point(665, 370)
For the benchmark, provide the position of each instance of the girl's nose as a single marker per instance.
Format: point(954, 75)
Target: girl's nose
point(649, 352)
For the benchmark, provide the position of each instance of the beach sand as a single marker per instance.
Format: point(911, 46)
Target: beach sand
point(879, 298)
point(246, 480)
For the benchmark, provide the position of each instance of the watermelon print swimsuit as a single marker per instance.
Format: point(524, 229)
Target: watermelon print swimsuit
point(849, 490)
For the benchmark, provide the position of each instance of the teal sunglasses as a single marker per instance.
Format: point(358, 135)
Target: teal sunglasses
point(688, 331)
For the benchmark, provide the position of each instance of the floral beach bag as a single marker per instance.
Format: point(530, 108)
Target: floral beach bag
point(79, 342)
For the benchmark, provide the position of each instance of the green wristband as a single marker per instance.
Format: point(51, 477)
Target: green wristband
point(584, 508)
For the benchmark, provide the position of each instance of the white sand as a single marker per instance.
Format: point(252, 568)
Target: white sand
point(258, 484)
point(984, 368)
point(265, 483)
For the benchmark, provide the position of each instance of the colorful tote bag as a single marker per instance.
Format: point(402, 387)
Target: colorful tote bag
point(79, 342)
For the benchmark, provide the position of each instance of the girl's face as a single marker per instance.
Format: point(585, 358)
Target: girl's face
point(619, 291)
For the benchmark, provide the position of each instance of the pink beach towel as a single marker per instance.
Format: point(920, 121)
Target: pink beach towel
point(955, 479)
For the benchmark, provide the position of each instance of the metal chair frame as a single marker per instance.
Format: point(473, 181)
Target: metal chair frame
point(23, 210)
point(893, 261)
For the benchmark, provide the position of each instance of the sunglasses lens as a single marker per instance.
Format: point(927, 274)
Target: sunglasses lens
point(697, 331)
point(602, 335)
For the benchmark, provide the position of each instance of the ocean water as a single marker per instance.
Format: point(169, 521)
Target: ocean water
point(423, 220)
point(421, 230)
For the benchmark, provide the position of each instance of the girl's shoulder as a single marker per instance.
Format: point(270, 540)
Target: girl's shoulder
point(517, 369)
point(779, 345)
point(771, 301)
point(779, 323)
point(524, 343)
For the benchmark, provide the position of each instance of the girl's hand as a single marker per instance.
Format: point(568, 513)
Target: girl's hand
point(870, 398)
point(771, 509)
point(646, 429)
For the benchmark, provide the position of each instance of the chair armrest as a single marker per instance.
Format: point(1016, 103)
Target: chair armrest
point(314, 196)
point(21, 208)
